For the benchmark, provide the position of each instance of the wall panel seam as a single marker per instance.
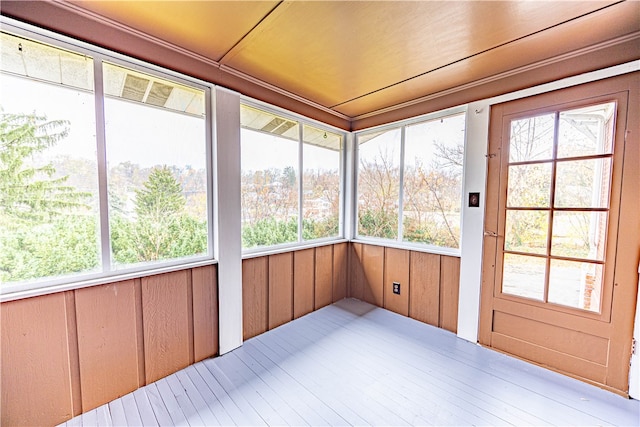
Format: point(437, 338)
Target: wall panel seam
point(190, 319)
point(74, 352)
point(140, 332)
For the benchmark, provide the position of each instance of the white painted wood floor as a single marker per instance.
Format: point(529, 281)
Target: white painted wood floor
point(354, 364)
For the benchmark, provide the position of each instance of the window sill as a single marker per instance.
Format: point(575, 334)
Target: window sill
point(36, 289)
point(260, 252)
point(416, 247)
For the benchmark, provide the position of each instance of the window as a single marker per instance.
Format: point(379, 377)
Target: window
point(557, 205)
point(281, 204)
point(85, 194)
point(410, 182)
point(157, 170)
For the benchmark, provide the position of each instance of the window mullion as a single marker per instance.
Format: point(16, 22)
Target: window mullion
point(300, 178)
point(401, 186)
point(101, 154)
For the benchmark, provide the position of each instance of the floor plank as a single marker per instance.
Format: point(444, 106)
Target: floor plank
point(144, 407)
point(171, 403)
point(90, 419)
point(191, 414)
point(131, 410)
point(104, 416)
point(116, 409)
point(201, 405)
point(157, 405)
point(351, 363)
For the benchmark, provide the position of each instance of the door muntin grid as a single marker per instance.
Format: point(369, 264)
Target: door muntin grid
point(557, 206)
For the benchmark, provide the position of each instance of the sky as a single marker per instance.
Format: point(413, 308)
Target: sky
point(145, 135)
point(262, 151)
point(135, 132)
point(420, 141)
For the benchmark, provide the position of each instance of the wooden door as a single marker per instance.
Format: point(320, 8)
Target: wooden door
point(562, 238)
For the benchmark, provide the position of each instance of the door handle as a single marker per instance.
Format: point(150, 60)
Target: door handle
point(491, 234)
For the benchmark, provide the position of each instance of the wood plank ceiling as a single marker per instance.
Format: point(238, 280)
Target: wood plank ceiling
point(356, 58)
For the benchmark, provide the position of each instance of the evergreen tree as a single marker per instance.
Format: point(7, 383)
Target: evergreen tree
point(161, 198)
point(29, 192)
point(44, 229)
point(163, 230)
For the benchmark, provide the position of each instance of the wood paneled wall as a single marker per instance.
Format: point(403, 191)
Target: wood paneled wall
point(429, 283)
point(279, 288)
point(69, 352)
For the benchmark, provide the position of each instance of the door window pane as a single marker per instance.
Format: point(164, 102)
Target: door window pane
point(531, 139)
point(156, 157)
point(575, 284)
point(379, 184)
point(523, 276)
point(432, 183)
point(529, 186)
point(586, 131)
point(321, 183)
point(526, 231)
point(579, 235)
point(49, 213)
point(583, 183)
point(269, 187)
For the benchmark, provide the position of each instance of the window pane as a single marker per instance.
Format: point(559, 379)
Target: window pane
point(531, 139)
point(579, 235)
point(321, 183)
point(575, 284)
point(269, 188)
point(49, 215)
point(433, 181)
point(523, 276)
point(586, 131)
point(379, 184)
point(526, 231)
point(583, 183)
point(529, 186)
point(157, 179)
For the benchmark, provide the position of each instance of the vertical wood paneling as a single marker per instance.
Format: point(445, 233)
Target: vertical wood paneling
point(107, 342)
point(280, 289)
point(356, 272)
point(74, 358)
point(190, 314)
point(255, 293)
point(303, 282)
point(396, 269)
point(324, 276)
point(425, 288)
point(205, 312)
point(36, 377)
point(166, 314)
point(137, 286)
point(449, 286)
point(339, 271)
point(373, 265)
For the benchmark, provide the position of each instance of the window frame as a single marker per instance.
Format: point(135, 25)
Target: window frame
point(301, 121)
point(402, 125)
point(106, 273)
